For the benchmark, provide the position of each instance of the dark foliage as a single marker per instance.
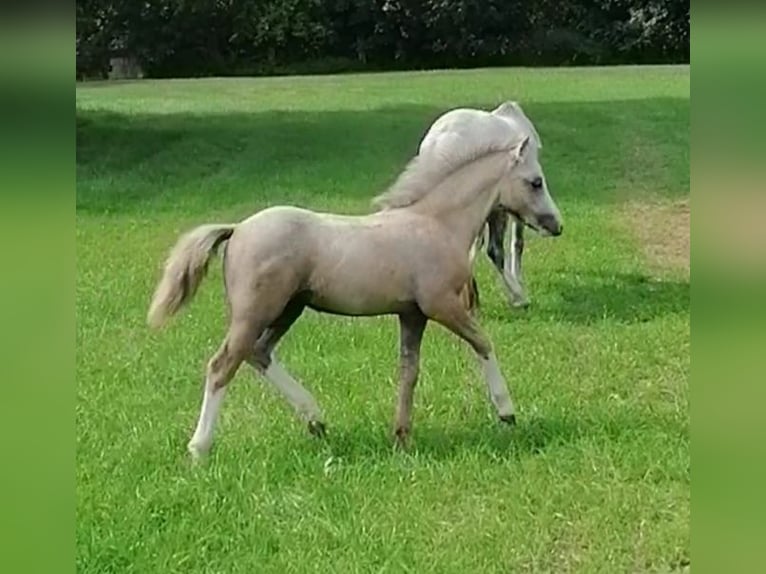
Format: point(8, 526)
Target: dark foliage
point(224, 37)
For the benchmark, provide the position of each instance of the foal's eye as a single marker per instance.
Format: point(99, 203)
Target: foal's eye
point(536, 183)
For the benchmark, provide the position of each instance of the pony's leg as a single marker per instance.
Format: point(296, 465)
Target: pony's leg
point(411, 327)
point(512, 267)
point(469, 295)
point(263, 360)
point(451, 314)
point(498, 224)
point(220, 370)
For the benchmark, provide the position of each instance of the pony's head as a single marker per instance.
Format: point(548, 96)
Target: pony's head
point(524, 191)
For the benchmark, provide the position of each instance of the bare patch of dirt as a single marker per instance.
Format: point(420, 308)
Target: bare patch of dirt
point(664, 231)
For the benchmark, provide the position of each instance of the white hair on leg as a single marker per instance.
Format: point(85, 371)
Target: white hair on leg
point(301, 400)
point(512, 269)
point(498, 390)
point(200, 443)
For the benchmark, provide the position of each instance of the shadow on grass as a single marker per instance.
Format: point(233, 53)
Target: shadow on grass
point(195, 162)
point(594, 297)
point(299, 457)
point(531, 436)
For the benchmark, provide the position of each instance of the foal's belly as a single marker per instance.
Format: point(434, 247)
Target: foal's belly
point(350, 289)
point(350, 307)
point(363, 274)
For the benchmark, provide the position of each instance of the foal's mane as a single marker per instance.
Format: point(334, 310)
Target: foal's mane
point(425, 173)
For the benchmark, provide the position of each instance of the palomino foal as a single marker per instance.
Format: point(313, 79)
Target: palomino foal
point(409, 259)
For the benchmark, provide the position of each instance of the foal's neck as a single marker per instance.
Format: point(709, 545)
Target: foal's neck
point(468, 196)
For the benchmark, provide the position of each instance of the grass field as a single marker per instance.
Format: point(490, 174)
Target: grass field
point(595, 477)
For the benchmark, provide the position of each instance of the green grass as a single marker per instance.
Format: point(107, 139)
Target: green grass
point(595, 477)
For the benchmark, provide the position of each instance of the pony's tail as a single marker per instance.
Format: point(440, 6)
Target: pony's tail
point(184, 269)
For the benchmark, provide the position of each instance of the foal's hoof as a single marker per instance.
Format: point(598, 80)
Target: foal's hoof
point(522, 303)
point(317, 429)
point(509, 419)
point(198, 453)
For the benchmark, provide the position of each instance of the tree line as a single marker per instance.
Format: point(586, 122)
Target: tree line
point(257, 37)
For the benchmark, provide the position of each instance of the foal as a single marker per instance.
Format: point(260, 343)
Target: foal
point(410, 259)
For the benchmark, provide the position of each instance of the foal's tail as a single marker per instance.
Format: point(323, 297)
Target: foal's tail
point(184, 269)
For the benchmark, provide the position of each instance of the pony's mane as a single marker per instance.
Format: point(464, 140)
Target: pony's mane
point(513, 111)
point(426, 172)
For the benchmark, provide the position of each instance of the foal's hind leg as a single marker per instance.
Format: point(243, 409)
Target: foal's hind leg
point(450, 313)
point(263, 360)
point(220, 371)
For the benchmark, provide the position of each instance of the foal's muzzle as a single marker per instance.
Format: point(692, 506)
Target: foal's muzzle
point(550, 224)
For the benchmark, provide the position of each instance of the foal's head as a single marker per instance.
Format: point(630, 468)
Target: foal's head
point(524, 191)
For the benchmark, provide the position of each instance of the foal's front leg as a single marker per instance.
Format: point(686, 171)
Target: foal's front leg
point(411, 327)
point(450, 313)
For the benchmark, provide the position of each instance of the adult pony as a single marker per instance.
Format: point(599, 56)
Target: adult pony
point(454, 129)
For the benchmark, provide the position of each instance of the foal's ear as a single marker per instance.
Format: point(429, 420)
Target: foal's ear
point(520, 150)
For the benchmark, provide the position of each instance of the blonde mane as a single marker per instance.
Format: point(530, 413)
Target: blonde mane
point(426, 172)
